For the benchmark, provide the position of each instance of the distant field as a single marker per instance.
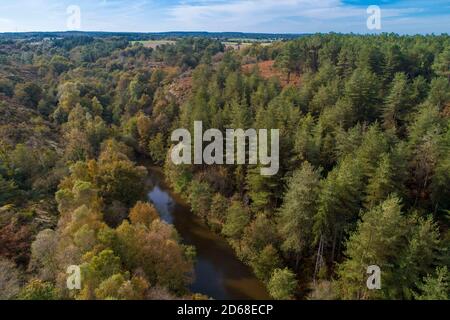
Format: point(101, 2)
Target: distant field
point(154, 43)
point(245, 40)
point(244, 43)
point(237, 44)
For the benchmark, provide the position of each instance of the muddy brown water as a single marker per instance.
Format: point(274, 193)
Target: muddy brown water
point(218, 272)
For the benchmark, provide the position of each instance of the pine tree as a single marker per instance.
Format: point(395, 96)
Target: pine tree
point(240, 115)
point(346, 62)
point(261, 189)
point(291, 59)
point(404, 247)
point(200, 196)
point(236, 221)
point(295, 218)
point(363, 91)
point(260, 233)
point(266, 262)
point(282, 284)
point(439, 94)
point(441, 64)
point(382, 183)
point(376, 241)
point(395, 62)
point(339, 203)
point(374, 144)
point(422, 252)
point(440, 182)
point(435, 287)
point(397, 103)
point(305, 147)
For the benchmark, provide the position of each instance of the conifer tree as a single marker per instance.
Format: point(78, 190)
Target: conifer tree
point(397, 103)
point(296, 216)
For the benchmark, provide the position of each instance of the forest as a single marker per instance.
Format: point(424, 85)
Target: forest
point(364, 174)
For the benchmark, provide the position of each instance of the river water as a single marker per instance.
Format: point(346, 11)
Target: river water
point(218, 273)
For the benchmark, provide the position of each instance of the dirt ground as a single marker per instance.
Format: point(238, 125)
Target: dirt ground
point(267, 70)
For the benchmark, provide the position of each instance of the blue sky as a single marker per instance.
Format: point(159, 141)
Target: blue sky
point(272, 16)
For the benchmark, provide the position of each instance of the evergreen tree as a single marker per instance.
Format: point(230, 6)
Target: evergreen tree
point(397, 103)
point(296, 216)
point(382, 183)
point(363, 91)
point(200, 196)
point(236, 221)
point(339, 201)
point(435, 287)
point(266, 262)
point(441, 64)
point(377, 241)
point(403, 247)
point(282, 284)
point(261, 189)
point(395, 62)
point(291, 59)
point(439, 94)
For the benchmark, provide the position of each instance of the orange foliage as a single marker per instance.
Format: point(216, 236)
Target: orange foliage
point(267, 70)
point(144, 213)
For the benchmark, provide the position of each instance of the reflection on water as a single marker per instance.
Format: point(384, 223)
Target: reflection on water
point(163, 203)
point(219, 274)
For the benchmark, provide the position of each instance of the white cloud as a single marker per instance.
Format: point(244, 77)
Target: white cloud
point(256, 15)
point(294, 16)
point(7, 25)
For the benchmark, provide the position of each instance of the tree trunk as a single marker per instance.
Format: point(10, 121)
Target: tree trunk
point(297, 261)
point(334, 245)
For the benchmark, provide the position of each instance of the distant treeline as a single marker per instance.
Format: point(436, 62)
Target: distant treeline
point(133, 36)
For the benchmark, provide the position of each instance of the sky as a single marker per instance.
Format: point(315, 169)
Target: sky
point(266, 16)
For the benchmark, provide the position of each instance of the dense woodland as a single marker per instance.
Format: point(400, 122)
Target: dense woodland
point(364, 151)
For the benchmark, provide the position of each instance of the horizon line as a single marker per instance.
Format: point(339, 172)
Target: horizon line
point(228, 32)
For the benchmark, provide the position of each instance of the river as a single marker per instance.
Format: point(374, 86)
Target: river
point(218, 272)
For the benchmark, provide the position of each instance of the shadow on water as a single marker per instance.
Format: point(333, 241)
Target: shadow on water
point(219, 274)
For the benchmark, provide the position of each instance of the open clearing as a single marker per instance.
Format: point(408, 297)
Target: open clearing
point(154, 43)
point(267, 70)
point(238, 44)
